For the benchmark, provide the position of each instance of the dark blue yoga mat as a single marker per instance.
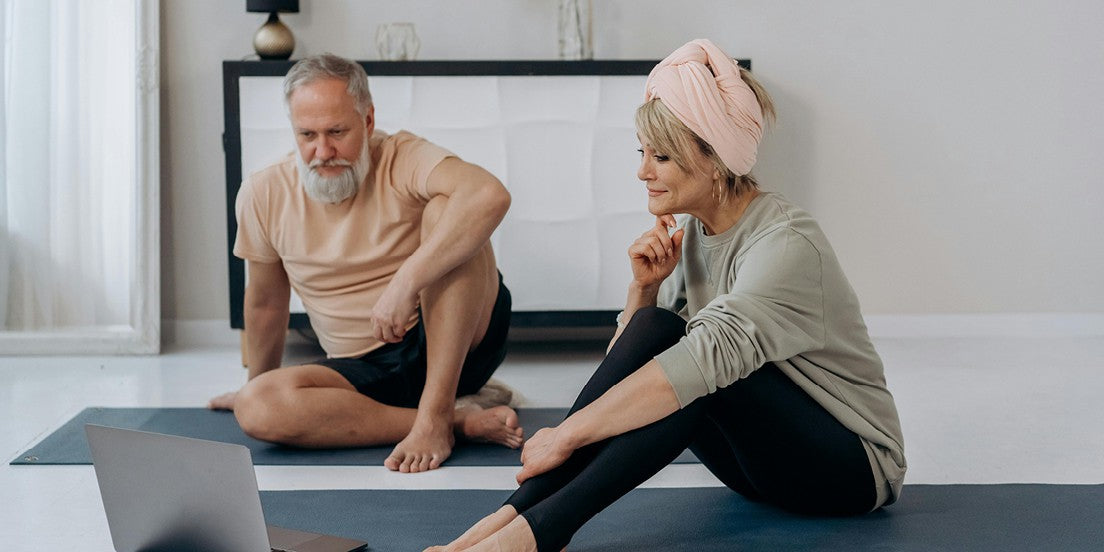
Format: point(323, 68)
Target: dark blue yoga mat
point(927, 518)
point(67, 445)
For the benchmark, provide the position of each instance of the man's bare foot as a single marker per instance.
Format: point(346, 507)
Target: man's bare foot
point(424, 449)
point(516, 536)
point(481, 530)
point(491, 425)
point(224, 401)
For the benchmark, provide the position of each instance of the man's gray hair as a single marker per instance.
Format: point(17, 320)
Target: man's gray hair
point(329, 66)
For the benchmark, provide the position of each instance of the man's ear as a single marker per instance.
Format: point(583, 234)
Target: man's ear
point(370, 119)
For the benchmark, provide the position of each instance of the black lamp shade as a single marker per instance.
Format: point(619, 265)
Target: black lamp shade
point(269, 6)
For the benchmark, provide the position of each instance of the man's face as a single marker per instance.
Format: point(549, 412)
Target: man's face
point(326, 124)
point(332, 137)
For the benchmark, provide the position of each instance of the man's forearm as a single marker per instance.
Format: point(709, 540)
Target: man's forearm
point(465, 226)
point(265, 330)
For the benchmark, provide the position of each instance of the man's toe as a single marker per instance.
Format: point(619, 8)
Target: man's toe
point(392, 462)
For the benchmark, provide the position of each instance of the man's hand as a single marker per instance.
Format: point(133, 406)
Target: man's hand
point(424, 449)
point(388, 318)
point(224, 401)
point(655, 253)
point(544, 451)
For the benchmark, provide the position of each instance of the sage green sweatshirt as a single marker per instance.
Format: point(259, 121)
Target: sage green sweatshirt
point(770, 289)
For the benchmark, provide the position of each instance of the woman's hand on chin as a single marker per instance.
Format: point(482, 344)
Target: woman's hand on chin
point(655, 253)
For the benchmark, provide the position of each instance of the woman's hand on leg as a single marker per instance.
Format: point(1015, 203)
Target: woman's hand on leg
point(544, 451)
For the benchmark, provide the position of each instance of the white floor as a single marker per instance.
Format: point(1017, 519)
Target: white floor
point(977, 410)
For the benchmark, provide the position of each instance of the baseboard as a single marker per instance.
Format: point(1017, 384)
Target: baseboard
point(209, 333)
point(102, 340)
point(1022, 325)
point(219, 333)
point(197, 333)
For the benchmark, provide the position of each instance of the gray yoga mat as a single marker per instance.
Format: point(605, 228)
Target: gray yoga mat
point(67, 445)
point(928, 517)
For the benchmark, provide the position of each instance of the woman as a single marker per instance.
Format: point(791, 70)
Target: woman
point(756, 357)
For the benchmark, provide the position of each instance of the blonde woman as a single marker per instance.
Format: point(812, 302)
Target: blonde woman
point(741, 339)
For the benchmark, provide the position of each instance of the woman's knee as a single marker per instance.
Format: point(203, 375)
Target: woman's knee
point(653, 328)
point(658, 317)
point(650, 331)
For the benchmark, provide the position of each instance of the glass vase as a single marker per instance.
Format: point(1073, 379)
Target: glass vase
point(574, 30)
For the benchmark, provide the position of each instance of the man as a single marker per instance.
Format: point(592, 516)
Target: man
point(386, 240)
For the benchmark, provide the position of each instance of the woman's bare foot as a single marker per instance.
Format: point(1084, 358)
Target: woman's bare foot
point(516, 536)
point(481, 530)
point(491, 425)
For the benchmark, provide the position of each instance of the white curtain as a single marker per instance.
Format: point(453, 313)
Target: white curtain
point(67, 209)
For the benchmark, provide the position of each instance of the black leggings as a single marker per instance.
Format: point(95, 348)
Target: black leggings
point(762, 436)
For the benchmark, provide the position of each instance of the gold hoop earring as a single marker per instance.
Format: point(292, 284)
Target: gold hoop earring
point(720, 193)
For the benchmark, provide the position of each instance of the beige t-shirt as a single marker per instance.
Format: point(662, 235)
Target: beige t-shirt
point(339, 258)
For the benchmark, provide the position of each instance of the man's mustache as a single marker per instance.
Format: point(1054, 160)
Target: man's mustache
point(330, 163)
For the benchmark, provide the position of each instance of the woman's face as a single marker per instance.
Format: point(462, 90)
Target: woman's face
point(672, 190)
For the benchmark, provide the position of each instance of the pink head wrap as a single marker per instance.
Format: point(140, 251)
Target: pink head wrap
point(701, 85)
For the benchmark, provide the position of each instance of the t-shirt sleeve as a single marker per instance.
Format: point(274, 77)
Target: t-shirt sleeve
point(414, 159)
point(252, 241)
point(773, 311)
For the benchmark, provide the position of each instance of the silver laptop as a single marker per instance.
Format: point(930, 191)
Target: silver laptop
point(163, 492)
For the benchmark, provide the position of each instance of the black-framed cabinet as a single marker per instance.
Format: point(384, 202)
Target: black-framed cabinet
point(558, 134)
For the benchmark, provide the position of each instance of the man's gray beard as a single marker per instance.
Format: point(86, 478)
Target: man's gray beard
point(334, 189)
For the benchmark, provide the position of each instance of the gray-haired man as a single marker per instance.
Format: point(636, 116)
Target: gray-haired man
point(386, 240)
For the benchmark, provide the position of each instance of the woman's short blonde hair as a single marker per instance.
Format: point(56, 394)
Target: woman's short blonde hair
point(665, 133)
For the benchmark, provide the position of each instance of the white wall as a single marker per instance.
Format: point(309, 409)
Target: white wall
point(947, 147)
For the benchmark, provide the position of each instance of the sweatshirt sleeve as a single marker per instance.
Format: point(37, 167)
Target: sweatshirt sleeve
point(672, 293)
point(773, 310)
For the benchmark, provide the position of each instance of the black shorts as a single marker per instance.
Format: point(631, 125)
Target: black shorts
point(395, 373)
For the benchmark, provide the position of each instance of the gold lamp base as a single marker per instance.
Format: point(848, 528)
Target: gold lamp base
point(274, 40)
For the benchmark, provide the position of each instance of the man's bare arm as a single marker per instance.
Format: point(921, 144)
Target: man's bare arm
point(266, 316)
point(266, 319)
point(477, 202)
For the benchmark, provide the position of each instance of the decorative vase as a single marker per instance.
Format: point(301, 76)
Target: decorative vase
point(397, 42)
point(574, 30)
point(274, 40)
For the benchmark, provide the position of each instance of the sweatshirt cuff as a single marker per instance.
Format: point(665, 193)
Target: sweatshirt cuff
point(683, 373)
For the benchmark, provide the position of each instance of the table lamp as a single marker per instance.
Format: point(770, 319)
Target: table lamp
point(273, 40)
